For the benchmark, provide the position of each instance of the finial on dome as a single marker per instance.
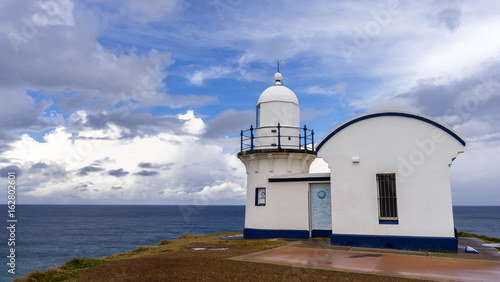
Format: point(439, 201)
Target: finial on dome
point(278, 78)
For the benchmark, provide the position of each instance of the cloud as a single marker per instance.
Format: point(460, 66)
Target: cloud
point(23, 113)
point(146, 173)
point(223, 190)
point(174, 167)
point(118, 172)
point(192, 124)
point(335, 89)
point(448, 14)
point(4, 171)
point(143, 11)
point(228, 123)
point(146, 165)
point(88, 169)
point(213, 72)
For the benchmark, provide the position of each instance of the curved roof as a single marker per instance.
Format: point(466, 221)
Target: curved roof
point(278, 92)
point(421, 117)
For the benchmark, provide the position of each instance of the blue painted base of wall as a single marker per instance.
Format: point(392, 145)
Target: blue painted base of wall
point(395, 242)
point(321, 233)
point(251, 233)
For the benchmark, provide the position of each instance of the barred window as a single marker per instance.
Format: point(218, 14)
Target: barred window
point(387, 200)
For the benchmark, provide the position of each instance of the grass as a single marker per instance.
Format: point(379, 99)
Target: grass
point(70, 269)
point(483, 238)
point(77, 266)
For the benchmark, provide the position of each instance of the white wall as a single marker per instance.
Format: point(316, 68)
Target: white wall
point(286, 203)
point(287, 114)
point(286, 207)
point(418, 152)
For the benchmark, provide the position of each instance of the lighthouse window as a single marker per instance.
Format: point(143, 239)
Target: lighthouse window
point(387, 200)
point(258, 116)
point(260, 196)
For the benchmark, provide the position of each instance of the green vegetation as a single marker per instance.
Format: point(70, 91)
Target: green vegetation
point(70, 269)
point(76, 263)
point(483, 238)
point(77, 266)
point(164, 242)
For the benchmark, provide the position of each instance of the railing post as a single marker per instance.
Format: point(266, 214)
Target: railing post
point(312, 138)
point(241, 143)
point(251, 137)
point(279, 136)
point(305, 137)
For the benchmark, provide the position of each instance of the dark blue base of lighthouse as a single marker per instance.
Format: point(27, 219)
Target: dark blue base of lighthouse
point(251, 233)
point(413, 243)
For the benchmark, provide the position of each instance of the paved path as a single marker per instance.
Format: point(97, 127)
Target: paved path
point(453, 268)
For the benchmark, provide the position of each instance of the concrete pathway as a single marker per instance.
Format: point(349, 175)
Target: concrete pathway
point(408, 264)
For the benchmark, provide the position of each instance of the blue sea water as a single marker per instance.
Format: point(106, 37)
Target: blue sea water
point(49, 235)
point(482, 220)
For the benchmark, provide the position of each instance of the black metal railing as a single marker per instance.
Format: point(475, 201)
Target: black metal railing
point(304, 138)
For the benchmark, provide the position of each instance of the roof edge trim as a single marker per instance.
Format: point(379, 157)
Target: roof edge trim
point(421, 117)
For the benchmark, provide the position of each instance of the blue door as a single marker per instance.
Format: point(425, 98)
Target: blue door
point(321, 210)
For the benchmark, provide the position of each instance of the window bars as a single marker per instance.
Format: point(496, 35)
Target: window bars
point(387, 199)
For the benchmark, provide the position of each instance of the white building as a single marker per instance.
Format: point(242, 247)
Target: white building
point(388, 185)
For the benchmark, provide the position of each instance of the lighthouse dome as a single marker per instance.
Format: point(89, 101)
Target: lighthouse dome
point(278, 92)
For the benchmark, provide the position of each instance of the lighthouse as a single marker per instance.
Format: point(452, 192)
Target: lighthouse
point(276, 148)
point(387, 184)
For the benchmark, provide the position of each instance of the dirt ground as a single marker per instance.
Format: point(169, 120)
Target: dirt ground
point(212, 265)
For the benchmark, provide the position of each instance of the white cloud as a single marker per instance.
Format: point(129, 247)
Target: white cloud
point(474, 174)
point(213, 72)
point(54, 13)
point(181, 168)
point(335, 89)
point(192, 125)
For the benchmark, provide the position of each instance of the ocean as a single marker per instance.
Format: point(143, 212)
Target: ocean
point(49, 235)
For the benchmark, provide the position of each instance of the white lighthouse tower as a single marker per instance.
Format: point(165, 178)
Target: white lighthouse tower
point(277, 148)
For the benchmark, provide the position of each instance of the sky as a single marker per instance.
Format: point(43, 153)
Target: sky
point(142, 102)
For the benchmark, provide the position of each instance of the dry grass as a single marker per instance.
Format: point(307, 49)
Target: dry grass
point(76, 266)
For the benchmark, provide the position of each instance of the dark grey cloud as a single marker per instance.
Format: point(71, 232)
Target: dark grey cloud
point(116, 188)
point(118, 172)
point(447, 14)
point(46, 171)
point(4, 172)
point(145, 165)
point(22, 113)
point(102, 161)
point(89, 169)
point(146, 173)
point(475, 98)
point(166, 166)
point(450, 18)
point(229, 123)
point(39, 165)
point(136, 123)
